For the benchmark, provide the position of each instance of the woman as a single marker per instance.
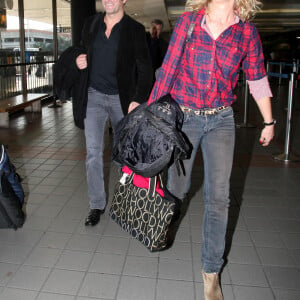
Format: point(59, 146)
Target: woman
point(200, 74)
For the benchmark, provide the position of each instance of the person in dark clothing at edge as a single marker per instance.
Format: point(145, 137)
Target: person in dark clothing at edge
point(157, 45)
point(120, 77)
point(201, 75)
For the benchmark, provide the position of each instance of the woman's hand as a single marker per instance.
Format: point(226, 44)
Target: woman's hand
point(267, 135)
point(132, 106)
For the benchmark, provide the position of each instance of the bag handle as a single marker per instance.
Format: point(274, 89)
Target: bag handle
point(153, 184)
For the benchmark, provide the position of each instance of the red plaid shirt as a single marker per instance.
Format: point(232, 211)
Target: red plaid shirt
point(204, 72)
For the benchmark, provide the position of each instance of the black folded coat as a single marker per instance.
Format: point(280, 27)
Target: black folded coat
point(150, 138)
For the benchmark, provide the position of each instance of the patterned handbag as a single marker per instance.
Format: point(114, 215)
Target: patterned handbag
point(143, 212)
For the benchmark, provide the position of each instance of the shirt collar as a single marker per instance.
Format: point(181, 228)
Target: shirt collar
point(235, 21)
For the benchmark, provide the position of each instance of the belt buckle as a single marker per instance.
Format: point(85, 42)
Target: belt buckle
point(210, 112)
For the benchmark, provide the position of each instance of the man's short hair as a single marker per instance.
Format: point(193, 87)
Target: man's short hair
point(158, 22)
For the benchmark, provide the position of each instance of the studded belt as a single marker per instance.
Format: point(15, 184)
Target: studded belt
point(203, 112)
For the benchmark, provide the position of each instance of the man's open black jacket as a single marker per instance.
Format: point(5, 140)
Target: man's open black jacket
point(134, 69)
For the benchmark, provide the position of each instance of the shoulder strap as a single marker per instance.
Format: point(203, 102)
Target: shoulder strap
point(191, 27)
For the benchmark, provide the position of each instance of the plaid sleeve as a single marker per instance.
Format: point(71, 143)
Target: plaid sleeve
point(168, 71)
point(253, 64)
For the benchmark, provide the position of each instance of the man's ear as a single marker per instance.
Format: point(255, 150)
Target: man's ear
point(124, 2)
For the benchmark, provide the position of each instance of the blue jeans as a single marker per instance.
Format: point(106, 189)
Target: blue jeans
point(215, 134)
point(100, 107)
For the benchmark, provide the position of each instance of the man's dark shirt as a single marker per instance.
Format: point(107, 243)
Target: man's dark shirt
point(103, 75)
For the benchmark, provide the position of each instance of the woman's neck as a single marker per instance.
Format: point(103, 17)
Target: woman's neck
point(221, 11)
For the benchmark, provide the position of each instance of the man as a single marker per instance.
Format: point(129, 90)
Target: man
point(200, 74)
point(41, 69)
point(120, 73)
point(157, 45)
point(158, 25)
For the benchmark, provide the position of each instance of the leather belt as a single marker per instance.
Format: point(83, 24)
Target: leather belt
point(203, 112)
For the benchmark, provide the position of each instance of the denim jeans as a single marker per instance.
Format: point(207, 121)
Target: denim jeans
point(100, 107)
point(215, 134)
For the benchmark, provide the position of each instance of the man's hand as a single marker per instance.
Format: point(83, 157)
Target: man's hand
point(267, 135)
point(81, 61)
point(132, 106)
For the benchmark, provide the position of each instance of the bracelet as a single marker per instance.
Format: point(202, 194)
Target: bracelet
point(271, 123)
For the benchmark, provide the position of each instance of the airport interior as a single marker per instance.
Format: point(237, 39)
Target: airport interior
point(54, 256)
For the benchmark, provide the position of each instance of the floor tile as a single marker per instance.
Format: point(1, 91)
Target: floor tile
point(285, 278)
point(241, 238)
point(54, 240)
point(275, 257)
point(46, 210)
point(136, 248)
point(267, 239)
point(141, 266)
point(260, 224)
point(83, 242)
point(20, 237)
point(286, 294)
point(136, 288)
point(113, 245)
point(171, 290)
point(107, 263)
point(63, 282)
point(251, 293)
point(66, 225)
point(16, 294)
point(243, 255)
point(28, 277)
point(37, 223)
point(13, 254)
point(100, 286)
point(74, 260)
point(48, 296)
point(178, 250)
point(7, 271)
point(43, 257)
point(175, 269)
point(291, 240)
point(247, 275)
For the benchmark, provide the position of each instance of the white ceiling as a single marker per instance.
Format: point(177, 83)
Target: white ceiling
point(142, 10)
point(277, 15)
point(145, 11)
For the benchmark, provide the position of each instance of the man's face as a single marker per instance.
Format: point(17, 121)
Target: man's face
point(113, 6)
point(157, 27)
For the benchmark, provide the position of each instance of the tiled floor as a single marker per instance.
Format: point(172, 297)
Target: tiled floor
point(55, 257)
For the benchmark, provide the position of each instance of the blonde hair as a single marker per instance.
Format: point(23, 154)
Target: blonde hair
point(246, 9)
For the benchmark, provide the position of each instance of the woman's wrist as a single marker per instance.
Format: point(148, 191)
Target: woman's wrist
point(271, 123)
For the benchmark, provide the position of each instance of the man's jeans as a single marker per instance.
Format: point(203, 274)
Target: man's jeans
point(100, 107)
point(215, 134)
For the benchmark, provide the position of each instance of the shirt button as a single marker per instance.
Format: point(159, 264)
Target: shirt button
point(207, 86)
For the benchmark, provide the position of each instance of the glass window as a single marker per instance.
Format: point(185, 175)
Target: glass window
point(9, 47)
point(63, 25)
